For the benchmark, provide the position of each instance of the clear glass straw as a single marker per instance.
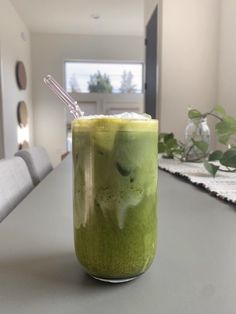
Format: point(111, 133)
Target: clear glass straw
point(64, 96)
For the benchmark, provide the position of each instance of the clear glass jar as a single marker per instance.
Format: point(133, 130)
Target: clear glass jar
point(197, 130)
point(115, 196)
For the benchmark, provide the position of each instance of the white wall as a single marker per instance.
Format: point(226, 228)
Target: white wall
point(13, 48)
point(49, 51)
point(188, 42)
point(189, 54)
point(227, 57)
point(149, 6)
point(1, 118)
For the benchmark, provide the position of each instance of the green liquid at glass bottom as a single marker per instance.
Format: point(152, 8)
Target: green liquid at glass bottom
point(115, 196)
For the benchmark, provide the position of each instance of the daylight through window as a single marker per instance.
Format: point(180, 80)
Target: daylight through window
point(93, 77)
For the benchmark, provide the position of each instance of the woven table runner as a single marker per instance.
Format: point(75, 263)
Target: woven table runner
point(222, 186)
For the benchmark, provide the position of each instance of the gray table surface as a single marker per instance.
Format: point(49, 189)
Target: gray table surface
point(194, 271)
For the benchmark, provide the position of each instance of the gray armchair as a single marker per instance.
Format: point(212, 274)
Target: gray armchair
point(15, 184)
point(37, 161)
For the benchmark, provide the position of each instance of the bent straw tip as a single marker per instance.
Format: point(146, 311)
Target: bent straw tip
point(63, 95)
point(47, 78)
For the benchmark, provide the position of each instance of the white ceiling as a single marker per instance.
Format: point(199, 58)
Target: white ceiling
point(118, 17)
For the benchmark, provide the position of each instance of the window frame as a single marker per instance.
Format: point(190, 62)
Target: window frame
point(132, 62)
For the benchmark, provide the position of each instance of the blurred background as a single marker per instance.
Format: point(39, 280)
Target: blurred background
point(152, 56)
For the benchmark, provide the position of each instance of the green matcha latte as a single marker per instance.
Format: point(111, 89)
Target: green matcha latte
point(115, 194)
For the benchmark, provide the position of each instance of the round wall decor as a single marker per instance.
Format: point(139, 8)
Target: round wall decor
point(21, 75)
point(22, 114)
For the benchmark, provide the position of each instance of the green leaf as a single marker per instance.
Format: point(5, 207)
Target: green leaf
point(161, 136)
point(168, 145)
point(225, 129)
point(212, 169)
point(179, 149)
point(201, 145)
point(168, 136)
point(216, 155)
point(171, 143)
point(229, 158)
point(220, 110)
point(165, 137)
point(194, 114)
point(161, 148)
point(230, 120)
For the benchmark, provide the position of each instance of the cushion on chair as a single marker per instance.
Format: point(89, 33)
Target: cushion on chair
point(15, 184)
point(37, 161)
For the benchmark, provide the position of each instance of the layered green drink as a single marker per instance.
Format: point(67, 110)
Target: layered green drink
point(115, 195)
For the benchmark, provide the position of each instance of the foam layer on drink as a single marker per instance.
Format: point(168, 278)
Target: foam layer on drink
point(123, 115)
point(104, 128)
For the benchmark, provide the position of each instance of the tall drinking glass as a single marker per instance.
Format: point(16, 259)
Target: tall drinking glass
point(115, 195)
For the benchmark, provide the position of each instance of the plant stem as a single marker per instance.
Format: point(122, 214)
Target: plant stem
point(213, 115)
point(195, 160)
point(188, 152)
point(222, 170)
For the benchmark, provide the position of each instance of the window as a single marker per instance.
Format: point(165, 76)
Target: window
point(89, 77)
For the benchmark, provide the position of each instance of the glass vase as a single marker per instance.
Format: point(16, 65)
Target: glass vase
point(196, 130)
